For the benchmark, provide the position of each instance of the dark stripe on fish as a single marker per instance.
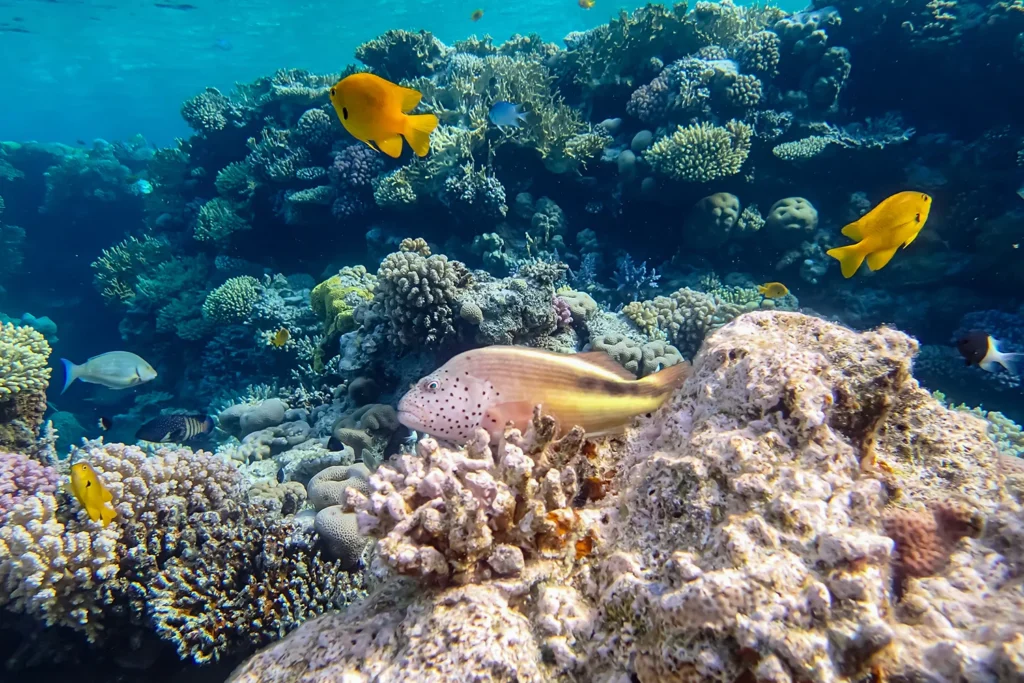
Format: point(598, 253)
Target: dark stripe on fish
point(615, 388)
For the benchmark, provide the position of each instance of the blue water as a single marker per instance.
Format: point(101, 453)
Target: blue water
point(114, 69)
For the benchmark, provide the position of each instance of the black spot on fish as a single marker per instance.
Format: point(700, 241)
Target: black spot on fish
point(973, 347)
point(917, 217)
point(344, 113)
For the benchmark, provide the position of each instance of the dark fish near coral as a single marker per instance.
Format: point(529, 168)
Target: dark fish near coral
point(506, 114)
point(335, 444)
point(979, 348)
point(489, 387)
point(105, 423)
point(477, 15)
point(175, 428)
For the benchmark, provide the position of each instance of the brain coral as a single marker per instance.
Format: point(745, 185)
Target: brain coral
point(232, 302)
point(739, 537)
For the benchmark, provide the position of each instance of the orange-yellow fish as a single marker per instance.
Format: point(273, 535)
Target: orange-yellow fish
point(477, 15)
point(280, 338)
point(585, 4)
point(880, 232)
point(489, 387)
point(772, 290)
point(376, 111)
point(91, 493)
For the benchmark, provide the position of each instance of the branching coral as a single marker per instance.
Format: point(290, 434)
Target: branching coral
point(702, 152)
point(218, 220)
point(233, 301)
point(24, 377)
point(116, 271)
point(401, 54)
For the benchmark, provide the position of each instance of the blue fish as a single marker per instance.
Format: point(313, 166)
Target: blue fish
point(506, 114)
point(141, 187)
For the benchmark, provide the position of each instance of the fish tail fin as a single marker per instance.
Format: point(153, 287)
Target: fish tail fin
point(666, 381)
point(850, 258)
point(70, 373)
point(1011, 361)
point(417, 132)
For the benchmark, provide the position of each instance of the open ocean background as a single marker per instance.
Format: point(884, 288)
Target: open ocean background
point(111, 69)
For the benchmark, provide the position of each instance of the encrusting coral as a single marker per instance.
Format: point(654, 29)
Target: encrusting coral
point(738, 532)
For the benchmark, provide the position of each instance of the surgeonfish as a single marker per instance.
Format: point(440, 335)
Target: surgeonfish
point(772, 290)
point(114, 370)
point(175, 428)
point(492, 386)
point(376, 112)
point(91, 493)
point(979, 348)
point(506, 114)
point(879, 233)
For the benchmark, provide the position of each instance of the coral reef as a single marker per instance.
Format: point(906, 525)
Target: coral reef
point(744, 530)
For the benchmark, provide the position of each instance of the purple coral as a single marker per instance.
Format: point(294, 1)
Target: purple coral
point(563, 313)
point(348, 206)
point(356, 166)
point(22, 477)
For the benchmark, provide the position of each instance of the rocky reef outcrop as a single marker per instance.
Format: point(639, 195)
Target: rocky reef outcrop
point(800, 511)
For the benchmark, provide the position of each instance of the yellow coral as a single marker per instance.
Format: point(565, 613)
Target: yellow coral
point(23, 355)
point(702, 152)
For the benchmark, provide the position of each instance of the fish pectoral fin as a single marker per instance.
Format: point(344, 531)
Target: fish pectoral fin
point(410, 99)
point(517, 412)
point(879, 259)
point(606, 362)
point(392, 146)
point(853, 231)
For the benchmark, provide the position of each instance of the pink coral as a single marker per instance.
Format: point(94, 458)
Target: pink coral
point(21, 477)
point(563, 312)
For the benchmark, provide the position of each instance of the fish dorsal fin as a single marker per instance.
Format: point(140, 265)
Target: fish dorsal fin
point(854, 231)
point(606, 362)
point(410, 98)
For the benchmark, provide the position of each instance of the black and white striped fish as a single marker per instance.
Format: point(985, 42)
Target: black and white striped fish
point(175, 428)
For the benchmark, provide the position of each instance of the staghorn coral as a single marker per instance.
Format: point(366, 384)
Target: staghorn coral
point(701, 152)
point(210, 111)
point(233, 301)
point(398, 54)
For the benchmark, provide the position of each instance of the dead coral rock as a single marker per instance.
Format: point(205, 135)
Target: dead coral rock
point(737, 534)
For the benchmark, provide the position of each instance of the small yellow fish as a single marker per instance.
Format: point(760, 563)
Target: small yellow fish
point(488, 387)
point(879, 233)
point(91, 493)
point(586, 4)
point(376, 111)
point(477, 15)
point(280, 338)
point(773, 290)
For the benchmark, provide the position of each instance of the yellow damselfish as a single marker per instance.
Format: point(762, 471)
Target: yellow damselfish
point(91, 493)
point(489, 387)
point(772, 290)
point(376, 111)
point(879, 233)
point(280, 338)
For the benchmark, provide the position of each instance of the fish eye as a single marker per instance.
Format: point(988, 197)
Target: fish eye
point(344, 113)
point(334, 91)
point(432, 385)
